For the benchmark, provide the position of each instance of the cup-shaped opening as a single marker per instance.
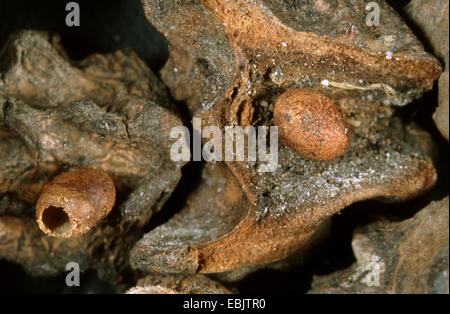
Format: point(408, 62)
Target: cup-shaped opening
point(56, 220)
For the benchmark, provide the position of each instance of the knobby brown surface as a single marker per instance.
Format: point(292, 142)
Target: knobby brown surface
point(432, 19)
point(230, 62)
point(410, 256)
point(174, 284)
point(107, 112)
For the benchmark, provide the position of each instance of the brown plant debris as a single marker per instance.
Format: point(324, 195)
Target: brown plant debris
point(410, 256)
point(234, 63)
point(107, 112)
point(431, 17)
point(177, 283)
point(230, 62)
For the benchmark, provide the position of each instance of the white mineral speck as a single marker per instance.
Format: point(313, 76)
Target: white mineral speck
point(325, 83)
point(283, 44)
point(389, 55)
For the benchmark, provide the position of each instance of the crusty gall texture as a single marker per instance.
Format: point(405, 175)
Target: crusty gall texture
point(229, 63)
point(75, 201)
point(431, 17)
point(311, 124)
point(107, 112)
point(407, 257)
point(177, 283)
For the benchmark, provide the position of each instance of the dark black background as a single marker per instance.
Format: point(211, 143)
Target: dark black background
point(105, 26)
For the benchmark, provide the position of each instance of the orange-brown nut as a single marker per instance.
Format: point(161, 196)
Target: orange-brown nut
point(72, 203)
point(311, 124)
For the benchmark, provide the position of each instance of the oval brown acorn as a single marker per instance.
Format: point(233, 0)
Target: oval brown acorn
point(311, 124)
point(75, 201)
